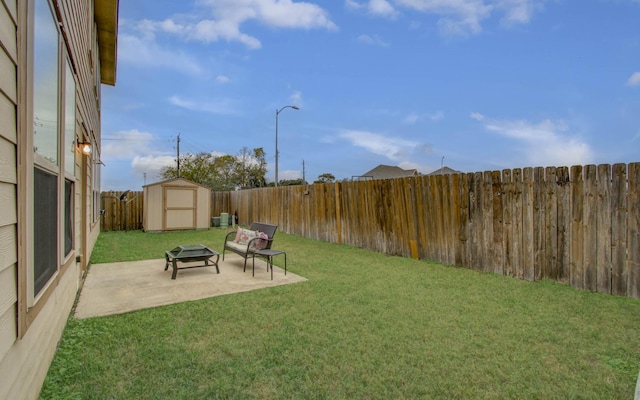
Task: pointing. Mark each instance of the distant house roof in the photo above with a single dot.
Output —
(388, 172)
(444, 171)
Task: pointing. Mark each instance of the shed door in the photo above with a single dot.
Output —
(180, 205)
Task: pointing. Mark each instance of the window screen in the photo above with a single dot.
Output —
(68, 217)
(45, 213)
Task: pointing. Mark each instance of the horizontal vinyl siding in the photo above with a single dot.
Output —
(26, 365)
(8, 33)
(8, 127)
(8, 200)
(12, 7)
(8, 195)
(7, 75)
(8, 180)
(8, 304)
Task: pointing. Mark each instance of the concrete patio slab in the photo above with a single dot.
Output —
(122, 287)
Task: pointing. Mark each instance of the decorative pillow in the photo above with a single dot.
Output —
(246, 235)
(238, 234)
(261, 242)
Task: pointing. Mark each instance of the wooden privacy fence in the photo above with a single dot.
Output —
(121, 215)
(579, 225)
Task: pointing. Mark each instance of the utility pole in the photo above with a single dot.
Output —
(304, 181)
(178, 155)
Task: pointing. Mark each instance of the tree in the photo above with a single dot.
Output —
(198, 168)
(325, 178)
(226, 176)
(258, 169)
(226, 172)
(251, 167)
(291, 182)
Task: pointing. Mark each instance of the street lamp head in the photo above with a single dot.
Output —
(295, 107)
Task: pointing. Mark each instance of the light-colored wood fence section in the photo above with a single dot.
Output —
(577, 225)
(121, 215)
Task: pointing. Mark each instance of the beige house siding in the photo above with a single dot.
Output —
(31, 326)
(8, 179)
(25, 366)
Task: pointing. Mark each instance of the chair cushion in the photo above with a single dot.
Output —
(241, 248)
(261, 242)
(246, 235)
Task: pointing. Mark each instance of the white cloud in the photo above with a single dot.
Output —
(151, 165)
(634, 79)
(220, 106)
(436, 116)
(225, 18)
(380, 8)
(393, 148)
(289, 175)
(414, 118)
(222, 79)
(544, 143)
(125, 144)
(143, 51)
(353, 5)
(518, 11)
(296, 99)
(477, 116)
(372, 40)
(212, 31)
(456, 17)
(423, 169)
(411, 119)
(229, 15)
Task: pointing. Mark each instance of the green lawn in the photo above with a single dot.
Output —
(365, 326)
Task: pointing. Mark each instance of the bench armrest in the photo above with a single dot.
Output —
(230, 235)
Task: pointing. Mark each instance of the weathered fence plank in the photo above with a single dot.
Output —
(517, 224)
(577, 230)
(458, 227)
(475, 222)
(564, 224)
(539, 249)
(508, 225)
(603, 221)
(420, 222)
(486, 213)
(449, 224)
(497, 228)
(550, 223)
(633, 231)
(590, 228)
(619, 277)
(528, 240)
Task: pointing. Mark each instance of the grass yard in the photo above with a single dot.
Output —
(365, 326)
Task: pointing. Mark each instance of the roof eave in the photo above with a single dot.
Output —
(106, 16)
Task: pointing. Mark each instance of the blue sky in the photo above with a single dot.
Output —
(475, 85)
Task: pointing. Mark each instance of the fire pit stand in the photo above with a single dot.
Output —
(190, 253)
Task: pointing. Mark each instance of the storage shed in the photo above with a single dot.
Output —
(176, 204)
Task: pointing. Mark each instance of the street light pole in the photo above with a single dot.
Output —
(277, 113)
